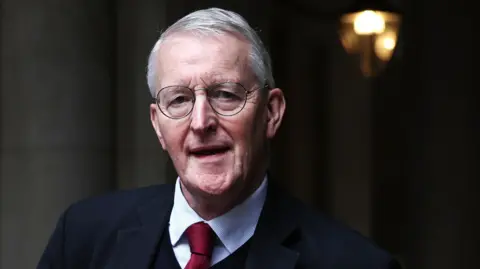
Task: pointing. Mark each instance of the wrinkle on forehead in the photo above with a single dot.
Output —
(185, 58)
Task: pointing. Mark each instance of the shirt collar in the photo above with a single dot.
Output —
(233, 228)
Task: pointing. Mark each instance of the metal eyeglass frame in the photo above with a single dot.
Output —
(247, 93)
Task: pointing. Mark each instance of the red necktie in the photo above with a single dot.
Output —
(200, 237)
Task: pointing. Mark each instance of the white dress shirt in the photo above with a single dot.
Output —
(233, 228)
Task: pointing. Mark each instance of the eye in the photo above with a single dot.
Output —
(179, 99)
(227, 92)
(221, 94)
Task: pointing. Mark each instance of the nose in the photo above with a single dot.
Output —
(204, 119)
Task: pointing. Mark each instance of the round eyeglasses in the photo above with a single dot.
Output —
(226, 99)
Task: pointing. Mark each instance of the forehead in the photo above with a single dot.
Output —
(190, 58)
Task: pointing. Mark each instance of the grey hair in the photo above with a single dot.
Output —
(217, 21)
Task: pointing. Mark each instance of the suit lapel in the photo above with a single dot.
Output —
(136, 245)
(276, 226)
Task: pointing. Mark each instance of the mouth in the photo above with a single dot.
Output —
(209, 151)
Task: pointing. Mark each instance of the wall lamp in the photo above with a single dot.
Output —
(370, 29)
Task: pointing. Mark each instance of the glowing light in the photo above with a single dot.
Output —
(384, 45)
(369, 22)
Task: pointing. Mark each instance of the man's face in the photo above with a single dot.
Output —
(212, 153)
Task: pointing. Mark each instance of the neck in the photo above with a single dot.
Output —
(209, 207)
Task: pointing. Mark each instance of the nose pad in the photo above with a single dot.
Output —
(204, 118)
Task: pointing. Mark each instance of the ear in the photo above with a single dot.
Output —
(275, 109)
(155, 119)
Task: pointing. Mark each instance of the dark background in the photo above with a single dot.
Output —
(396, 156)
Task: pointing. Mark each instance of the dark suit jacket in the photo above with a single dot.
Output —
(122, 229)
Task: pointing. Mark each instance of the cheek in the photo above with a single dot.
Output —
(246, 133)
(174, 137)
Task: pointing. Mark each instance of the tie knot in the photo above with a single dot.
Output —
(200, 237)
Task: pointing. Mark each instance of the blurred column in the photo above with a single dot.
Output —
(56, 92)
(300, 151)
(444, 168)
(141, 160)
(350, 140)
(438, 123)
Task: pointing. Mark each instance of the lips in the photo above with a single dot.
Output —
(204, 151)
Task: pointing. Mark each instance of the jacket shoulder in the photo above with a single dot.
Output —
(100, 216)
(332, 241)
(111, 206)
(88, 229)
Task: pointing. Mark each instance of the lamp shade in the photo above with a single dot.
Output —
(370, 29)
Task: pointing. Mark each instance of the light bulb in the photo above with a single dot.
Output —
(385, 44)
(369, 22)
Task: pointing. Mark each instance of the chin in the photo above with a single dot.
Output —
(214, 184)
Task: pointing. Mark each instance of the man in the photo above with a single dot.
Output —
(216, 108)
